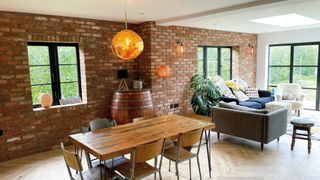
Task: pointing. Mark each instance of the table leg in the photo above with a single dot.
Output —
(88, 160)
(208, 146)
(101, 173)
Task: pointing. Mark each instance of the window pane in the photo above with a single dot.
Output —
(212, 54)
(278, 75)
(309, 99)
(225, 63)
(200, 60)
(306, 55)
(68, 73)
(279, 55)
(225, 74)
(212, 66)
(38, 55)
(226, 53)
(69, 90)
(37, 90)
(305, 76)
(67, 55)
(40, 75)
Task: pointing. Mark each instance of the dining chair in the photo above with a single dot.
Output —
(73, 162)
(143, 118)
(182, 150)
(94, 126)
(137, 167)
(99, 124)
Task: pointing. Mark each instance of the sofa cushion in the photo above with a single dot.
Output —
(241, 96)
(243, 84)
(252, 93)
(263, 101)
(251, 104)
(241, 108)
(223, 89)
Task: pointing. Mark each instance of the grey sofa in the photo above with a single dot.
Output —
(255, 126)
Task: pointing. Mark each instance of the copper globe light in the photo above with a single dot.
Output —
(127, 44)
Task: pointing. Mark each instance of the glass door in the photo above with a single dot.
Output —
(305, 72)
(297, 63)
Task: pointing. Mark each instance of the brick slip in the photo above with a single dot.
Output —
(27, 131)
(161, 41)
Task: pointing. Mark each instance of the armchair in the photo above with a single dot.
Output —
(290, 93)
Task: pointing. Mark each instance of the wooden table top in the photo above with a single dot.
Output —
(112, 142)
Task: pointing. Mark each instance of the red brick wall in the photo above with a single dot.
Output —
(27, 131)
(163, 52)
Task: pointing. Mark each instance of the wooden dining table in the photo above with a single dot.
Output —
(112, 142)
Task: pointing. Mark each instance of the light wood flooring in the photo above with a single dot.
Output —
(232, 158)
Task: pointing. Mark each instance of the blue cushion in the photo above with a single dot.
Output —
(251, 104)
(263, 101)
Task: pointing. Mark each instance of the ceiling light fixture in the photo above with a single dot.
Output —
(286, 20)
(127, 44)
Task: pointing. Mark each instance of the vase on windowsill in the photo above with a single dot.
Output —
(45, 100)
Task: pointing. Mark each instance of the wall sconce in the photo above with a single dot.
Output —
(164, 71)
(251, 48)
(179, 46)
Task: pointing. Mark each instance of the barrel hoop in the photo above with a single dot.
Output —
(139, 107)
(132, 100)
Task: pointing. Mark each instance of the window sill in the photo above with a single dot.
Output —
(59, 106)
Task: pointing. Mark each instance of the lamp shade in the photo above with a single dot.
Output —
(127, 45)
(164, 71)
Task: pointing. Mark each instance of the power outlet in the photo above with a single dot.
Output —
(174, 105)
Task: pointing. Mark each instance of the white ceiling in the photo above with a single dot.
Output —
(239, 20)
(230, 15)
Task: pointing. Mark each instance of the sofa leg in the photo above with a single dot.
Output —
(278, 139)
(261, 146)
(218, 136)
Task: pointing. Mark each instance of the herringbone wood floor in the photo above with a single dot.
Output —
(233, 158)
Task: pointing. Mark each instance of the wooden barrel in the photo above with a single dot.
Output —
(130, 104)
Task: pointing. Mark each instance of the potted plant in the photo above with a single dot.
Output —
(205, 95)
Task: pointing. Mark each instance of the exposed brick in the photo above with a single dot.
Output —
(30, 131)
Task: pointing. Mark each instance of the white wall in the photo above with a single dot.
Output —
(264, 40)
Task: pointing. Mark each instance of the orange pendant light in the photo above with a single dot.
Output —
(127, 44)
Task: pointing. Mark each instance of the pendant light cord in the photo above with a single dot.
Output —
(125, 15)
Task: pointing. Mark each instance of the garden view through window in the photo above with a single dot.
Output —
(297, 63)
(54, 69)
(213, 61)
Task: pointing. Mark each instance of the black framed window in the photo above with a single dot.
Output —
(54, 69)
(297, 63)
(215, 60)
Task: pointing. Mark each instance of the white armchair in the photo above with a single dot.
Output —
(290, 93)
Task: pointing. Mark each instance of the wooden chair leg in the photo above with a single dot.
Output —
(169, 165)
(293, 137)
